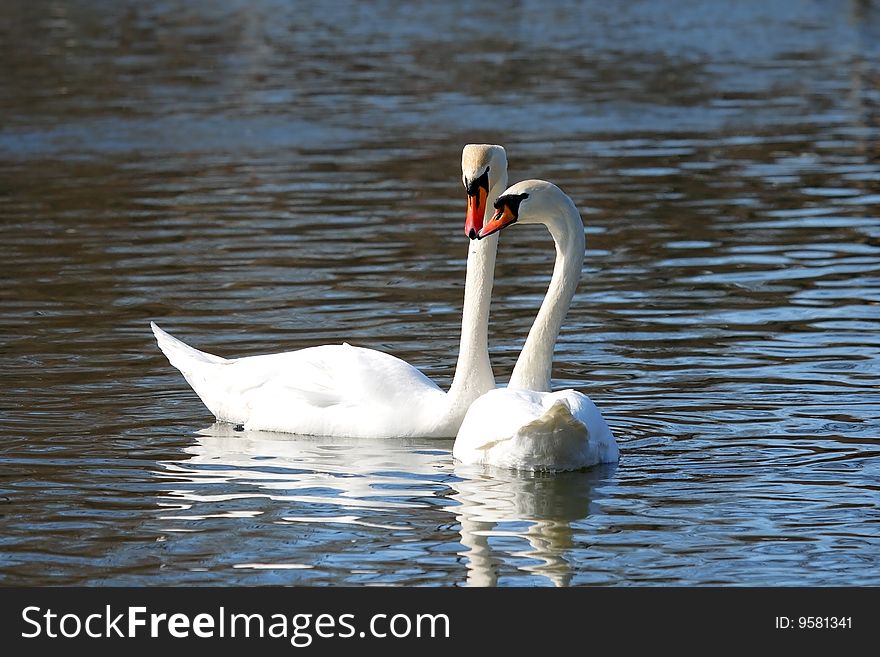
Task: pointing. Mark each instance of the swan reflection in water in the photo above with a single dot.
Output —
(358, 476)
(505, 517)
(498, 508)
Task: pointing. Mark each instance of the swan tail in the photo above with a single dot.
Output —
(556, 421)
(180, 354)
(560, 440)
(198, 369)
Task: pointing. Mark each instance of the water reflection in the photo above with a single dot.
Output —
(499, 505)
(348, 475)
(376, 487)
(267, 175)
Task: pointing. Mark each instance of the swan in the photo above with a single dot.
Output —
(525, 426)
(343, 390)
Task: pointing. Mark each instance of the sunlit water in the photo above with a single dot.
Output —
(259, 177)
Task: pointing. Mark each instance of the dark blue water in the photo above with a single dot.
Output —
(264, 176)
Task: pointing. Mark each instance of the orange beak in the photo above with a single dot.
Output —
(476, 209)
(502, 218)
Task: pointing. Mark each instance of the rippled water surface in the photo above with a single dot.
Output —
(263, 176)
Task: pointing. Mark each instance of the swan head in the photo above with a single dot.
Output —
(526, 202)
(482, 167)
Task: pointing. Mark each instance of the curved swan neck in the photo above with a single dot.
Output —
(473, 371)
(534, 367)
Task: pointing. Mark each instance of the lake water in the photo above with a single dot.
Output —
(263, 176)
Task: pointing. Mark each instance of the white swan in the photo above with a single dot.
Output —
(341, 390)
(525, 426)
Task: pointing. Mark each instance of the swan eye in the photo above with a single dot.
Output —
(511, 202)
(481, 181)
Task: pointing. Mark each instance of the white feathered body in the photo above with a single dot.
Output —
(330, 390)
(537, 431)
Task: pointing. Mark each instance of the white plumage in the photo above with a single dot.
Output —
(330, 390)
(529, 430)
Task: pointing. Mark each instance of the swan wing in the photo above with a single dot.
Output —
(331, 375)
(326, 390)
(337, 390)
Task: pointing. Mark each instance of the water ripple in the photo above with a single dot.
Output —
(259, 178)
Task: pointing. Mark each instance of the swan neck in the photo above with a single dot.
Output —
(534, 367)
(473, 371)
